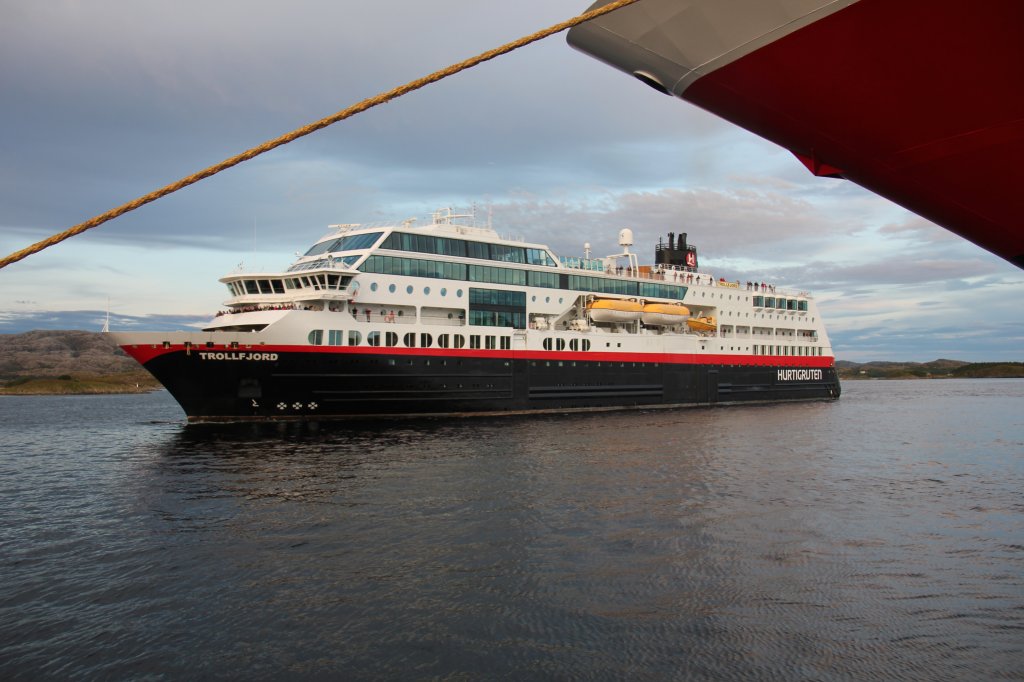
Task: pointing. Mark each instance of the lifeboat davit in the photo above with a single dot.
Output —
(664, 314)
(702, 324)
(614, 310)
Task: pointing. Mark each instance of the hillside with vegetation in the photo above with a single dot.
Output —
(936, 369)
(67, 362)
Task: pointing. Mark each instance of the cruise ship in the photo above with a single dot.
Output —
(449, 318)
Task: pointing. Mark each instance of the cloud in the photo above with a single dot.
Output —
(107, 100)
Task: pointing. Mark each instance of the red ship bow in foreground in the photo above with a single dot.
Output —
(920, 101)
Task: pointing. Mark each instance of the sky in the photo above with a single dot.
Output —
(107, 100)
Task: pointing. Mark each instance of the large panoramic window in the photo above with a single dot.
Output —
(422, 243)
(550, 280)
(395, 265)
(497, 308)
(539, 257)
(493, 275)
(355, 242)
(656, 290)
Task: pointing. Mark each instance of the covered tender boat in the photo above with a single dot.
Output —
(664, 314)
(614, 310)
(704, 323)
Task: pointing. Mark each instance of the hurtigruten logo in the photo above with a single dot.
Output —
(238, 356)
(800, 375)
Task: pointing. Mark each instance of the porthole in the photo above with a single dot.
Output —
(408, 289)
(391, 289)
(458, 293)
(444, 291)
(426, 290)
(373, 286)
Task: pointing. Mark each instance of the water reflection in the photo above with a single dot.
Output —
(766, 542)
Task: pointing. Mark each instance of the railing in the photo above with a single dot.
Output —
(680, 275)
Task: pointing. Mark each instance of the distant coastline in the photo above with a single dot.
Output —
(83, 363)
(936, 369)
(68, 363)
(80, 384)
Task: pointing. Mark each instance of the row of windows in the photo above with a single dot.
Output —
(560, 344)
(492, 275)
(336, 262)
(780, 303)
(607, 285)
(317, 282)
(409, 289)
(786, 350)
(497, 318)
(655, 290)
(339, 337)
(497, 297)
(461, 248)
(414, 267)
(497, 308)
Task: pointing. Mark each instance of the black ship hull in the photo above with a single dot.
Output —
(293, 384)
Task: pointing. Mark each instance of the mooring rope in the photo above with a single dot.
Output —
(311, 128)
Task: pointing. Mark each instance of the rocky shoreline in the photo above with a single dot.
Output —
(68, 363)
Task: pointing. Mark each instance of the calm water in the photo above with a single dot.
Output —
(879, 537)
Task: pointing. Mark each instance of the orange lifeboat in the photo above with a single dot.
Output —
(614, 310)
(664, 314)
(703, 324)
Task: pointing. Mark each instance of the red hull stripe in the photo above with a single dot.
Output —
(144, 354)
